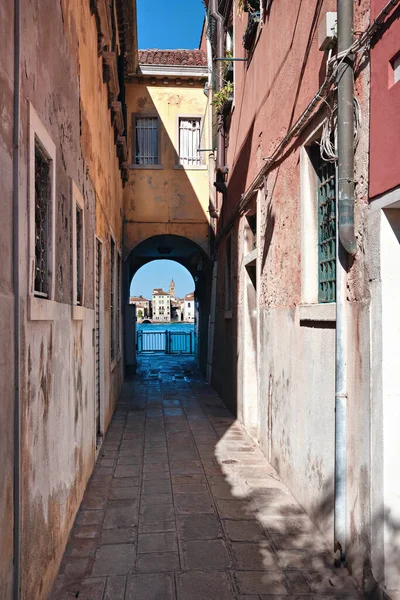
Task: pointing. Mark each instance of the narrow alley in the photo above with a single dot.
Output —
(182, 504)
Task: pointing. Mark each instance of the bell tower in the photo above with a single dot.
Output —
(172, 289)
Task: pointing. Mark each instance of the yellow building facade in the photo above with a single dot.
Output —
(167, 192)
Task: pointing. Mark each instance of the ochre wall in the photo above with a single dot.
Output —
(64, 83)
(168, 200)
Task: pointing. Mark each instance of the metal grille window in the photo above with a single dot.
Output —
(326, 232)
(112, 297)
(42, 223)
(79, 255)
(118, 320)
(146, 141)
(189, 142)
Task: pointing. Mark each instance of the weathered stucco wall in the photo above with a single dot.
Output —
(294, 350)
(64, 84)
(6, 303)
(171, 199)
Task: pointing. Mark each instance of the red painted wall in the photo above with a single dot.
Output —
(271, 92)
(385, 109)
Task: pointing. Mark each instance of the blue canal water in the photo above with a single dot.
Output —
(165, 327)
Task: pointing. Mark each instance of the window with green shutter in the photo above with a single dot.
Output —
(326, 231)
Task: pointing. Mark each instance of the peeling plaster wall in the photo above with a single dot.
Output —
(295, 356)
(168, 200)
(6, 303)
(64, 83)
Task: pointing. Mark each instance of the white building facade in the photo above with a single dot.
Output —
(161, 306)
(189, 309)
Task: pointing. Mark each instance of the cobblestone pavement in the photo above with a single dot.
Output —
(183, 505)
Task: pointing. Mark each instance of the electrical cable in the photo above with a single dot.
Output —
(360, 46)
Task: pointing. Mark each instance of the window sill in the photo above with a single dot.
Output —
(115, 361)
(78, 312)
(191, 167)
(228, 314)
(250, 258)
(41, 309)
(146, 167)
(318, 312)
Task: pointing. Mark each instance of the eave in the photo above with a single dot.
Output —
(173, 71)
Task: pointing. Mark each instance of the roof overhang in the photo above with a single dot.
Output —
(172, 71)
(127, 25)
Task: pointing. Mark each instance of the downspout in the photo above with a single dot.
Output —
(220, 52)
(212, 202)
(345, 16)
(347, 244)
(16, 279)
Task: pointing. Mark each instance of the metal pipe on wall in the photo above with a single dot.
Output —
(345, 17)
(16, 279)
(220, 52)
(340, 527)
(346, 241)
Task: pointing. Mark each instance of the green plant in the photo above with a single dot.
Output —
(248, 5)
(227, 63)
(223, 95)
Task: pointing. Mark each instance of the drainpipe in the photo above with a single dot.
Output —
(347, 244)
(212, 203)
(220, 52)
(345, 16)
(340, 527)
(16, 279)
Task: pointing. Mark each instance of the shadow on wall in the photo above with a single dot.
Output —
(173, 194)
(268, 530)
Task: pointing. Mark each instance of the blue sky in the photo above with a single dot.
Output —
(159, 274)
(168, 25)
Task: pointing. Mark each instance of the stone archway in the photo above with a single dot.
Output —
(189, 254)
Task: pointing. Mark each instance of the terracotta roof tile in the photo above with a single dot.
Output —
(185, 58)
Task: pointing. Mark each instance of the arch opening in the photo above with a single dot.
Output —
(165, 250)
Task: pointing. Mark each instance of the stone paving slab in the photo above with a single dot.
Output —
(182, 505)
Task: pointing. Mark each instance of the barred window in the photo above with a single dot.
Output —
(189, 142)
(79, 255)
(326, 232)
(42, 222)
(112, 297)
(118, 320)
(146, 141)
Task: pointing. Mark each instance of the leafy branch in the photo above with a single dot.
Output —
(223, 95)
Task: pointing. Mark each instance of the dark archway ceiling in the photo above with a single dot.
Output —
(167, 246)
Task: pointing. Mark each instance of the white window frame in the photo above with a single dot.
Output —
(310, 309)
(41, 309)
(202, 165)
(77, 204)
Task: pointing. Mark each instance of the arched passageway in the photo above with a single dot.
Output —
(190, 255)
